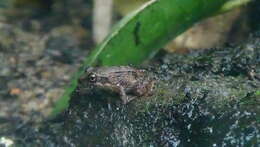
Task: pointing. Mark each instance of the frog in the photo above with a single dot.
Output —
(129, 82)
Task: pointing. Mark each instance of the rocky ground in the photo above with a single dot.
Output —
(38, 55)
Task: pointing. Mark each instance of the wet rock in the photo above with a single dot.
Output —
(206, 98)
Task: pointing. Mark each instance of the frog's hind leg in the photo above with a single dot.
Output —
(145, 89)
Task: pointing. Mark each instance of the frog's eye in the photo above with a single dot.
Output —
(92, 78)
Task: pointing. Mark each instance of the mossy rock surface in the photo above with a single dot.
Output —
(204, 98)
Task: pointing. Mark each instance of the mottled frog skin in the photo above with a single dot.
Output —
(129, 82)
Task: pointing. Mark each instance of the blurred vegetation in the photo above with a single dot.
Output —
(15, 8)
(44, 4)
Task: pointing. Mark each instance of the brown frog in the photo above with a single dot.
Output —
(129, 82)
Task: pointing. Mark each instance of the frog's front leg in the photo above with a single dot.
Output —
(123, 95)
(125, 98)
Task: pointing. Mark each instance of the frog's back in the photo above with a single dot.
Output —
(114, 70)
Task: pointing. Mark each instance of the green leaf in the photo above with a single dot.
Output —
(140, 35)
(231, 4)
(257, 93)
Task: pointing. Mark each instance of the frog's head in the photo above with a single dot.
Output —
(92, 78)
(87, 78)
